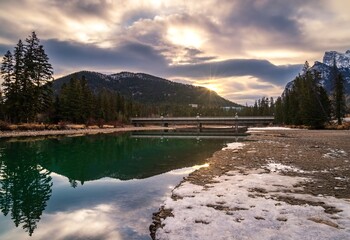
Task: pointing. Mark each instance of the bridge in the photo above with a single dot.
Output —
(200, 121)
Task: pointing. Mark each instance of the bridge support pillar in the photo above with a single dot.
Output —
(199, 126)
(165, 125)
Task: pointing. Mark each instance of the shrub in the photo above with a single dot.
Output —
(31, 126)
(4, 126)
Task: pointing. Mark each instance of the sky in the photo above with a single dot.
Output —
(242, 49)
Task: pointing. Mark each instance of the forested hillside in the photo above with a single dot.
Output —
(147, 89)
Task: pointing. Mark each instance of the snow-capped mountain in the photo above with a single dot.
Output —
(342, 61)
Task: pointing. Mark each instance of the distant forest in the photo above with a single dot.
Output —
(306, 102)
(27, 97)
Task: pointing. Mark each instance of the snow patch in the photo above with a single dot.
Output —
(268, 128)
(335, 153)
(251, 206)
(233, 146)
(278, 167)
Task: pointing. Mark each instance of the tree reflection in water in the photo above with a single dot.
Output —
(25, 182)
(25, 186)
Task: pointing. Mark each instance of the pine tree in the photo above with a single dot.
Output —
(278, 111)
(2, 111)
(87, 100)
(19, 63)
(38, 73)
(338, 94)
(27, 88)
(272, 106)
(7, 70)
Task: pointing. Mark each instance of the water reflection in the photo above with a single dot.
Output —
(25, 186)
(84, 159)
(30, 171)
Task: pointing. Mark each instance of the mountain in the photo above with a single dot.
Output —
(342, 61)
(145, 88)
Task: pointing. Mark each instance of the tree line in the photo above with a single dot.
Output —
(76, 103)
(306, 102)
(262, 107)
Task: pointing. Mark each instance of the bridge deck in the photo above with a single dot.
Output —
(204, 120)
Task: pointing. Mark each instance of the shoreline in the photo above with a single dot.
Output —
(303, 174)
(32, 133)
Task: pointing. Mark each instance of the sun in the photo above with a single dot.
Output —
(184, 36)
(211, 86)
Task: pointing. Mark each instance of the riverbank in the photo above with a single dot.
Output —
(78, 131)
(280, 184)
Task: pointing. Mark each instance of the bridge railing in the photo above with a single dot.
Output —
(203, 120)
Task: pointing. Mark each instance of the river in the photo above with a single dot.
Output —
(103, 186)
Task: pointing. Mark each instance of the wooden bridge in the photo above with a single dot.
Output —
(200, 121)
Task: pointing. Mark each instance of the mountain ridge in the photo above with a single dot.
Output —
(146, 88)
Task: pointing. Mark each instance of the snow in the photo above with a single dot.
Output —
(342, 59)
(233, 146)
(249, 206)
(278, 167)
(335, 153)
(268, 128)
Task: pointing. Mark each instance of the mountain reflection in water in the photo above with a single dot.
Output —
(27, 167)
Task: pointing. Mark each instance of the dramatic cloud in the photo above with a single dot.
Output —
(236, 47)
(129, 55)
(261, 69)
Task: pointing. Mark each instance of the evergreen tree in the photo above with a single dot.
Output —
(71, 101)
(7, 70)
(27, 77)
(18, 109)
(278, 112)
(272, 106)
(87, 101)
(338, 94)
(2, 111)
(38, 73)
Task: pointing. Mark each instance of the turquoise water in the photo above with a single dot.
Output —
(91, 187)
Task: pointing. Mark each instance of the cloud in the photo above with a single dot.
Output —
(130, 56)
(4, 48)
(274, 16)
(261, 69)
(139, 57)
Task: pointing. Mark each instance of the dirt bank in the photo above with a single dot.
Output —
(9, 134)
